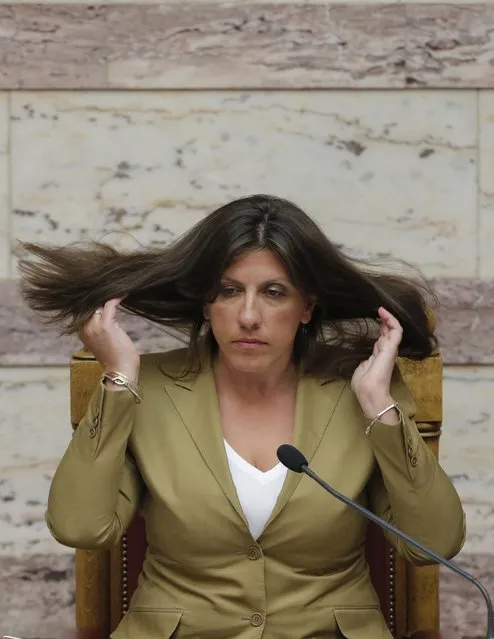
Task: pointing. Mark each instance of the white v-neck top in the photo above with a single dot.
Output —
(257, 491)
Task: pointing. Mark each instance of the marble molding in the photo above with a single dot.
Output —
(486, 183)
(245, 45)
(258, 46)
(465, 320)
(4, 187)
(394, 174)
(37, 595)
(442, 40)
(56, 46)
(329, 2)
(27, 340)
(465, 327)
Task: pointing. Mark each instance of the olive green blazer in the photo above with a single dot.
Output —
(204, 576)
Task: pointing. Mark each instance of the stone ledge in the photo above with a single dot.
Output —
(217, 45)
(465, 327)
(38, 595)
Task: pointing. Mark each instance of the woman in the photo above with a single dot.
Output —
(289, 341)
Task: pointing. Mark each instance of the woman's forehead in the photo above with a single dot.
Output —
(255, 263)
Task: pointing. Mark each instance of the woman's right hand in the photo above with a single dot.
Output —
(109, 343)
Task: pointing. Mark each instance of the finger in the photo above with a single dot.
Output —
(386, 318)
(90, 324)
(389, 319)
(110, 309)
(383, 330)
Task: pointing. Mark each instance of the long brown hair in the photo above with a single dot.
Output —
(171, 284)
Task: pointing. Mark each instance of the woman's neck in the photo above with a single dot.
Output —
(254, 386)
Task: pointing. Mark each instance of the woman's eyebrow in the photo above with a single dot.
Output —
(276, 280)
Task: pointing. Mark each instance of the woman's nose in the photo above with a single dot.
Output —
(249, 314)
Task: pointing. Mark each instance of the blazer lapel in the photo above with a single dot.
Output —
(196, 401)
(315, 403)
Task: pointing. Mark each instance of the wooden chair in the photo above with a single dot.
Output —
(409, 595)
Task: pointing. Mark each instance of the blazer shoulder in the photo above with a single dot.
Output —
(170, 363)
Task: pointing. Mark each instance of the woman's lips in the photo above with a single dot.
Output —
(249, 344)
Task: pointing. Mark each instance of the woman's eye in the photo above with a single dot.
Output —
(274, 292)
(228, 291)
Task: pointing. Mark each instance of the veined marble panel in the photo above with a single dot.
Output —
(256, 45)
(486, 183)
(467, 449)
(240, 2)
(4, 187)
(385, 173)
(34, 432)
(216, 45)
(465, 320)
(463, 612)
(38, 594)
(180, 45)
(26, 341)
(44, 45)
(449, 45)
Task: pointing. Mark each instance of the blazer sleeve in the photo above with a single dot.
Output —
(410, 489)
(97, 487)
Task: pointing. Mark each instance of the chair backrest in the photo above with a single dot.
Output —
(409, 595)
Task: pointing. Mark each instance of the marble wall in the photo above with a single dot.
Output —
(386, 169)
(164, 159)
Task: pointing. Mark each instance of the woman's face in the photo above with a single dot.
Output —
(257, 313)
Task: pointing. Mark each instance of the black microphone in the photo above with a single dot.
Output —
(294, 460)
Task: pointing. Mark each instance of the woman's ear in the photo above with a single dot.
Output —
(308, 310)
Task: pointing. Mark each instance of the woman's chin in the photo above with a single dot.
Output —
(249, 362)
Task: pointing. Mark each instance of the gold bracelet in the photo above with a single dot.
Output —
(378, 416)
(122, 380)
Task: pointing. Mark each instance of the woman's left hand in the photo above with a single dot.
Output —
(371, 381)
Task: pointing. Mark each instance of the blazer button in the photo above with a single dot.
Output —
(92, 432)
(253, 553)
(413, 461)
(256, 619)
